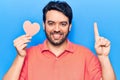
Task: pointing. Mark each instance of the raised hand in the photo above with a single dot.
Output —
(20, 44)
(102, 45)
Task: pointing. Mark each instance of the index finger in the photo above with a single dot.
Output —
(96, 33)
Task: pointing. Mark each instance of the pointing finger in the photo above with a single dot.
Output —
(96, 33)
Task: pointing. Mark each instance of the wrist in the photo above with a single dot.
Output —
(21, 56)
(103, 56)
(103, 59)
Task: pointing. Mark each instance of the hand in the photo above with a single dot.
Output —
(21, 43)
(102, 45)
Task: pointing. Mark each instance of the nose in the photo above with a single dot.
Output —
(57, 28)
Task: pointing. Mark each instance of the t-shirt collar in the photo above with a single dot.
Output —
(69, 47)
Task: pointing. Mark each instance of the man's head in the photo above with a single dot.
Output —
(57, 17)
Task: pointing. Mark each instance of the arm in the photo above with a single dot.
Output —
(14, 71)
(107, 70)
(102, 46)
(20, 45)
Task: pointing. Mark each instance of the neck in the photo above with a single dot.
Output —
(57, 50)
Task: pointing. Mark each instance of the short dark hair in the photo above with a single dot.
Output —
(61, 6)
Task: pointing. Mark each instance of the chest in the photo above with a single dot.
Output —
(66, 67)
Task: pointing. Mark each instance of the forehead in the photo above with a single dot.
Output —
(55, 15)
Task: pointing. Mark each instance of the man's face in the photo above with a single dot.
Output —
(56, 27)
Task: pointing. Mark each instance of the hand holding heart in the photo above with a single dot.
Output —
(102, 45)
(21, 42)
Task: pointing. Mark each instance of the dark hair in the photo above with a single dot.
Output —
(59, 6)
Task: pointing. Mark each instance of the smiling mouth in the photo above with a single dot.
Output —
(57, 36)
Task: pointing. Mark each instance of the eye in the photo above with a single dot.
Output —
(64, 24)
(50, 23)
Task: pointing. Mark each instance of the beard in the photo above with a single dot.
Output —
(56, 42)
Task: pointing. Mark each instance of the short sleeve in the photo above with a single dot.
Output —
(93, 68)
(24, 71)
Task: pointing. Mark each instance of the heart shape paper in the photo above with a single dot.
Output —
(30, 28)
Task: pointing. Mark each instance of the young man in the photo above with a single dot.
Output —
(57, 58)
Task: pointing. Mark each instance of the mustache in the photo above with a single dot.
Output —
(56, 32)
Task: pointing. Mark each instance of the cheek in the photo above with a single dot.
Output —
(47, 29)
(66, 30)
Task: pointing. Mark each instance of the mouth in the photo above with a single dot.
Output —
(57, 36)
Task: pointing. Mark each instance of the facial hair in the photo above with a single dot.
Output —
(56, 32)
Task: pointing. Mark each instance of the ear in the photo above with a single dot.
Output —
(43, 26)
(70, 27)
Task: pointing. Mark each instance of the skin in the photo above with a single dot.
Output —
(102, 47)
(57, 27)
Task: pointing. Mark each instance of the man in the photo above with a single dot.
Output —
(57, 58)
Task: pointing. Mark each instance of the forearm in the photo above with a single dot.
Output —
(107, 70)
(14, 71)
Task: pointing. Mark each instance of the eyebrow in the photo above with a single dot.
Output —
(50, 21)
(64, 22)
(54, 21)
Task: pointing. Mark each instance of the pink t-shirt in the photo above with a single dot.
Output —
(75, 63)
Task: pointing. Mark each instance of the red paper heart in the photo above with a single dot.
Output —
(30, 28)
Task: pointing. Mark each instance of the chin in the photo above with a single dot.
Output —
(56, 42)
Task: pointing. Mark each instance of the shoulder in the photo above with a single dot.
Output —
(34, 49)
(85, 53)
(82, 50)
